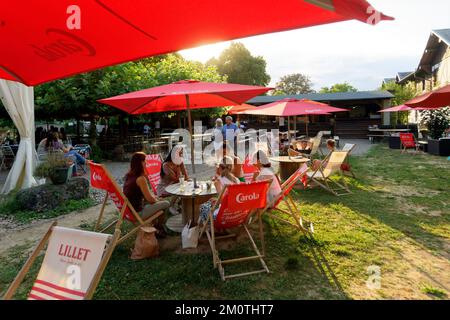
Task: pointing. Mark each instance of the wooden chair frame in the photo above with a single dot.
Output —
(111, 244)
(293, 211)
(119, 221)
(208, 228)
(349, 147)
(324, 181)
(405, 148)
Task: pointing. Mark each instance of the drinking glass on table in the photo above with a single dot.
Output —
(182, 184)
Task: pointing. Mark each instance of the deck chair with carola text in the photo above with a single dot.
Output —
(328, 167)
(73, 264)
(291, 214)
(102, 179)
(236, 202)
(153, 164)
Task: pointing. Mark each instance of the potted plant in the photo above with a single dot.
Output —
(437, 121)
(56, 167)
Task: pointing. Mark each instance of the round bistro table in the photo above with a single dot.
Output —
(288, 165)
(191, 199)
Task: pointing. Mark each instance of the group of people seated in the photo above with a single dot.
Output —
(228, 171)
(53, 143)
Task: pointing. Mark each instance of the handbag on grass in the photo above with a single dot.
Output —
(146, 244)
(189, 236)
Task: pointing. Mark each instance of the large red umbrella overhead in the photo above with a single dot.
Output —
(432, 100)
(47, 39)
(294, 107)
(184, 95)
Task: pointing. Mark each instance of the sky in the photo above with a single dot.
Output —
(351, 51)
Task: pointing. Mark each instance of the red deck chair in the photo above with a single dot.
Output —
(235, 204)
(249, 169)
(102, 179)
(293, 213)
(153, 164)
(408, 142)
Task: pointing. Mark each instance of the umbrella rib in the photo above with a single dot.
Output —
(142, 105)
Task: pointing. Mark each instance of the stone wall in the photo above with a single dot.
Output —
(49, 196)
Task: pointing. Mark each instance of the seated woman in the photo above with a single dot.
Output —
(137, 191)
(224, 177)
(171, 171)
(266, 173)
(302, 146)
(52, 143)
(331, 146)
(237, 171)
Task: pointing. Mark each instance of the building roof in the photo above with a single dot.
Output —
(437, 37)
(443, 34)
(387, 80)
(403, 75)
(340, 96)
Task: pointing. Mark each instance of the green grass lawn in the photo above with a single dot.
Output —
(397, 219)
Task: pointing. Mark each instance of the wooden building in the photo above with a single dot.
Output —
(362, 112)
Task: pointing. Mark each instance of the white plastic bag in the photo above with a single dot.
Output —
(189, 236)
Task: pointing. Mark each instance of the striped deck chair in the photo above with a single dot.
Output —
(153, 164)
(73, 264)
(102, 179)
(292, 212)
(235, 204)
(330, 166)
(408, 142)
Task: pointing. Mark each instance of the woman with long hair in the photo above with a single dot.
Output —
(137, 190)
(224, 176)
(172, 169)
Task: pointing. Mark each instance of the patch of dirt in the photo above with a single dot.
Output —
(17, 235)
(407, 191)
(405, 276)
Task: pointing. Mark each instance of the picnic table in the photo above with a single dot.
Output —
(384, 133)
(288, 165)
(191, 199)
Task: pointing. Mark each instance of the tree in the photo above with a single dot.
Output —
(295, 83)
(437, 121)
(339, 87)
(401, 95)
(239, 66)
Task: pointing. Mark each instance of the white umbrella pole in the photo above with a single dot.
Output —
(190, 131)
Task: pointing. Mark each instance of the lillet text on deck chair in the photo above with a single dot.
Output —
(235, 204)
(292, 212)
(102, 179)
(328, 167)
(73, 264)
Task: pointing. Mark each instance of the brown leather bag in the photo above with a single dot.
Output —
(146, 244)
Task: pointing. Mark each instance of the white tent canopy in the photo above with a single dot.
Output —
(18, 100)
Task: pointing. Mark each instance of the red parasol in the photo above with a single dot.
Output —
(432, 100)
(47, 39)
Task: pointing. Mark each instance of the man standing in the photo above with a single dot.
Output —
(229, 131)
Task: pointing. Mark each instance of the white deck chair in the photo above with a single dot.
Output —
(330, 166)
(73, 264)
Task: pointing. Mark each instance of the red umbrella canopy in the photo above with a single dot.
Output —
(397, 108)
(173, 97)
(294, 107)
(47, 39)
(241, 108)
(402, 108)
(432, 100)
